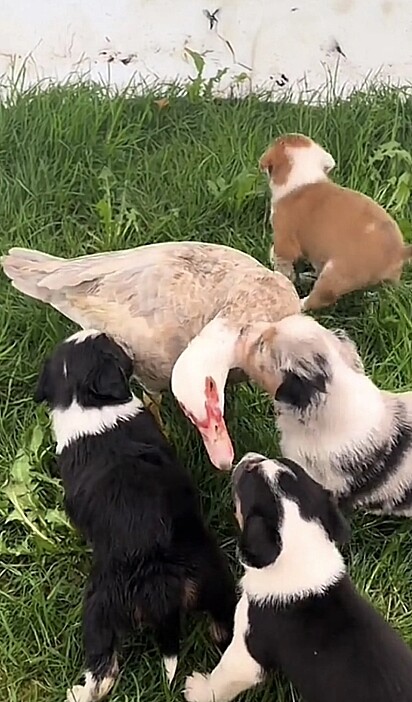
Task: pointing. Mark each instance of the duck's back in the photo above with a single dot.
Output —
(155, 298)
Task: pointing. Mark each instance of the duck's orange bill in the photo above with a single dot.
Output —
(218, 444)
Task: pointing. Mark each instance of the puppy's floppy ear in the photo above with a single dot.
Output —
(328, 162)
(275, 162)
(43, 391)
(266, 162)
(334, 522)
(109, 382)
(259, 544)
(300, 391)
(267, 339)
(348, 350)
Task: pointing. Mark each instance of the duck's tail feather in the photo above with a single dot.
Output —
(27, 268)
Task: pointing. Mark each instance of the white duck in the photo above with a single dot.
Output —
(179, 308)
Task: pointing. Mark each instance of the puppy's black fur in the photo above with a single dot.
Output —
(331, 645)
(97, 374)
(136, 506)
(306, 385)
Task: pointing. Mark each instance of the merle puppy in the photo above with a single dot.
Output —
(349, 435)
(299, 612)
(136, 506)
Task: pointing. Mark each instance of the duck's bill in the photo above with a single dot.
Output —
(218, 445)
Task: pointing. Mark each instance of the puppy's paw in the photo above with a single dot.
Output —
(272, 257)
(303, 302)
(79, 693)
(198, 688)
(308, 276)
(221, 634)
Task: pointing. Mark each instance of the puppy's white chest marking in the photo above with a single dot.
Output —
(74, 422)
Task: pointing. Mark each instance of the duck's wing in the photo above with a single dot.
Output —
(264, 296)
(180, 278)
(154, 298)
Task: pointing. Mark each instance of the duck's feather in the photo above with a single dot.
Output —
(155, 298)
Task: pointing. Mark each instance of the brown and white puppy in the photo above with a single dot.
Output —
(350, 241)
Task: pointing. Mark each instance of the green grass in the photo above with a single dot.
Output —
(80, 173)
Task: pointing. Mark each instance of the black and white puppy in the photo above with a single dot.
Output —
(136, 506)
(299, 613)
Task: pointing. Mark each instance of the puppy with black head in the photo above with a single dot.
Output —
(127, 494)
(299, 612)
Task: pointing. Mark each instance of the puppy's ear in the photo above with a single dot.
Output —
(43, 391)
(275, 162)
(110, 383)
(328, 162)
(335, 524)
(300, 391)
(266, 162)
(259, 544)
(348, 350)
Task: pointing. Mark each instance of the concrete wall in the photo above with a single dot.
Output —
(277, 44)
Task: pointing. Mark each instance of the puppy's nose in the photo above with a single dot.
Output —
(237, 471)
(248, 462)
(225, 465)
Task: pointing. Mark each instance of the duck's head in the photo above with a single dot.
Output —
(198, 383)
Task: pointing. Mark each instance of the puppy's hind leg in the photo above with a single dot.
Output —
(236, 671)
(329, 287)
(393, 275)
(100, 646)
(167, 633)
(217, 597)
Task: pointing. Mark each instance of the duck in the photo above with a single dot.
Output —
(179, 308)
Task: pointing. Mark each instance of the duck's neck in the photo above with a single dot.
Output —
(214, 350)
(211, 354)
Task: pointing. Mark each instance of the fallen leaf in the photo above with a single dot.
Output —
(162, 103)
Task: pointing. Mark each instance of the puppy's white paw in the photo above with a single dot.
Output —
(93, 689)
(272, 256)
(79, 693)
(308, 275)
(303, 302)
(198, 688)
(170, 664)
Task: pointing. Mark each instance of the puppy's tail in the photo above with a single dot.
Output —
(407, 252)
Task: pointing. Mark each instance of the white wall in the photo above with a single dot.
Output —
(296, 38)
